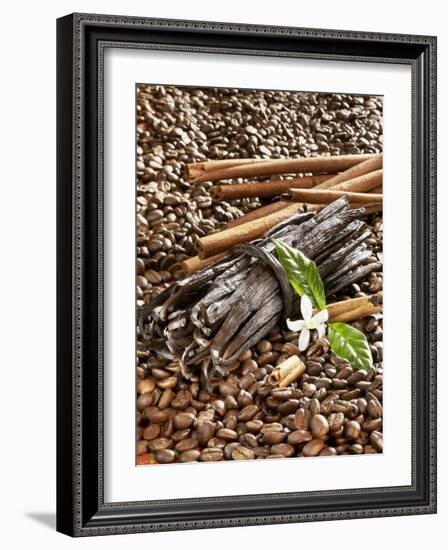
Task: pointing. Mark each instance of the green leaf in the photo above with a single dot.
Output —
(302, 273)
(351, 344)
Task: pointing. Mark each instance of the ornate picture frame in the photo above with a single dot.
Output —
(81, 506)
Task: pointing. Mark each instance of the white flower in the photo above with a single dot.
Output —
(308, 323)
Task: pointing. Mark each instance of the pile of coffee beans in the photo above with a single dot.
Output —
(331, 409)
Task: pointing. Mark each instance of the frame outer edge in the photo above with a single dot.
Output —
(65, 495)
(70, 507)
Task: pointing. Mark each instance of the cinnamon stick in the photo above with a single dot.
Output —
(287, 372)
(224, 240)
(370, 165)
(198, 168)
(195, 263)
(264, 189)
(196, 173)
(348, 307)
(358, 313)
(325, 196)
(259, 213)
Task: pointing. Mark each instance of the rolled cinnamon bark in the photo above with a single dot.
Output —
(193, 264)
(314, 165)
(358, 313)
(198, 168)
(224, 240)
(325, 196)
(347, 307)
(264, 189)
(370, 165)
(287, 372)
(259, 213)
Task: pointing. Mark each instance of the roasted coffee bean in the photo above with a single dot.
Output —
(336, 420)
(254, 425)
(186, 444)
(160, 443)
(244, 399)
(301, 419)
(183, 420)
(144, 400)
(264, 346)
(146, 385)
(282, 449)
(226, 389)
(167, 382)
(299, 436)
(182, 400)
(211, 455)
(142, 447)
(328, 451)
(247, 381)
(180, 434)
(165, 456)
(372, 425)
(167, 428)
(313, 447)
(243, 453)
(166, 398)
(374, 409)
(352, 429)
(156, 416)
(272, 438)
(376, 439)
(319, 425)
(288, 407)
(247, 413)
(229, 448)
(249, 440)
(227, 434)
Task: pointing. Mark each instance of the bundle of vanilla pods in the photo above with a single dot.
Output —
(206, 320)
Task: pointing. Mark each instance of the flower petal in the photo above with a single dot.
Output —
(304, 339)
(321, 316)
(306, 307)
(321, 330)
(295, 326)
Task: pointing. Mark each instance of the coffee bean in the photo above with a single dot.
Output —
(211, 455)
(146, 385)
(226, 389)
(183, 420)
(376, 438)
(288, 407)
(319, 425)
(247, 413)
(372, 425)
(249, 440)
(284, 449)
(165, 456)
(299, 436)
(328, 451)
(156, 416)
(226, 434)
(186, 444)
(142, 447)
(243, 453)
(374, 409)
(352, 429)
(264, 346)
(313, 447)
(254, 425)
(189, 456)
(160, 443)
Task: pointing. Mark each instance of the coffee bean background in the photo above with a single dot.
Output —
(332, 409)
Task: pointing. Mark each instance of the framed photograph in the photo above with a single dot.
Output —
(246, 275)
